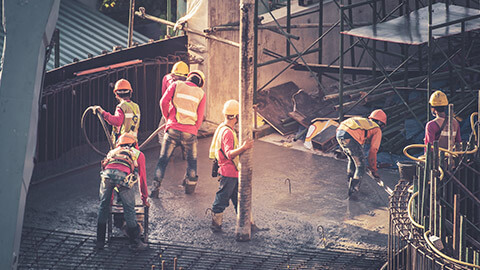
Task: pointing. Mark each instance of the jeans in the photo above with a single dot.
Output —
(228, 190)
(354, 152)
(127, 196)
(171, 140)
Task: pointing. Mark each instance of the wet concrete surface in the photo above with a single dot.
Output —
(287, 221)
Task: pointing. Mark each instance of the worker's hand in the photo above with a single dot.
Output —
(97, 109)
(247, 144)
(146, 202)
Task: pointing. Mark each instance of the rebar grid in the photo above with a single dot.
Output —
(49, 249)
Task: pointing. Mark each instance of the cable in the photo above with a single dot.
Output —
(104, 125)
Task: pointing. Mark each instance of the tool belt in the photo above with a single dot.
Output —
(119, 178)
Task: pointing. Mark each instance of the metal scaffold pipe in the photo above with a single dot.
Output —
(244, 215)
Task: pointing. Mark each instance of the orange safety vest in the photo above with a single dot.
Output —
(186, 100)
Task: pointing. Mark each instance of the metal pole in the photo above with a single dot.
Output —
(289, 13)
(56, 36)
(169, 16)
(131, 16)
(340, 71)
(320, 33)
(243, 227)
(255, 56)
(429, 61)
(451, 140)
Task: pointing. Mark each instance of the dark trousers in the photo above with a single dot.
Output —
(228, 190)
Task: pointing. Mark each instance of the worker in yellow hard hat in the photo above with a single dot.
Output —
(437, 129)
(225, 150)
(179, 73)
(183, 106)
(127, 114)
(352, 134)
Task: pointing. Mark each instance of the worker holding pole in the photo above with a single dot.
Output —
(225, 149)
(437, 129)
(183, 121)
(127, 114)
(179, 72)
(352, 134)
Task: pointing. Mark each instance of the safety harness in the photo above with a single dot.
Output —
(126, 156)
(131, 122)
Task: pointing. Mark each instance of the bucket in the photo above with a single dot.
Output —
(407, 170)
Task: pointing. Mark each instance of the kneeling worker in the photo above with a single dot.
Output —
(352, 134)
(119, 171)
(225, 149)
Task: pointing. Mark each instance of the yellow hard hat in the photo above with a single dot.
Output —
(198, 74)
(231, 107)
(438, 98)
(180, 68)
(122, 84)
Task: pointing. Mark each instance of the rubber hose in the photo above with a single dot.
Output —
(102, 121)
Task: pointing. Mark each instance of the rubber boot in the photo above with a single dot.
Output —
(190, 184)
(136, 243)
(217, 219)
(156, 189)
(101, 230)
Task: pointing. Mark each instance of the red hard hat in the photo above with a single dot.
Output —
(379, 115)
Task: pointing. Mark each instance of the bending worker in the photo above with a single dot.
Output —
(437, 129)
(352, 134)
(127, 114)
(179, 73)
(225, 149)
(119, 172)
(183, 121)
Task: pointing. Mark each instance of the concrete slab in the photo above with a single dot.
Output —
(287, 220)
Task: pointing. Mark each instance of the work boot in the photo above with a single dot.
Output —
(155, 189)
(190, 184)
(217, 219)
(101, 230)
(136, 243)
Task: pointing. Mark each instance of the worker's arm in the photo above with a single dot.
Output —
(431, 129)
(166, 99)
(374, 146)
(165, 84)
(200, 112)
(143, 179)
(228, 142)
(458, 137)
(116, 119)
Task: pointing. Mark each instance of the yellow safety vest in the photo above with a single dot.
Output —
(216, 144)
(131, 121)
(358, 123)
(186, 101)
(124, 155)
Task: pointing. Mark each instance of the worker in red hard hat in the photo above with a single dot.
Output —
(127, 114)
(121, 169)
(183, 121)
(179, 73)
(352, 134)
(225, 149)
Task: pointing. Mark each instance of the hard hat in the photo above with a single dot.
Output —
(379, 115)
(438, 98)
(199, 74)
(180, 69)
(231, 107)
(126, 138)
(122, 84)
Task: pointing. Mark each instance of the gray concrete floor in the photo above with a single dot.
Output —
(287, 221)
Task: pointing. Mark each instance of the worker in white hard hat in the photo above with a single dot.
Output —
(183, 121)
(225, 150)
(179, 73)
(437, 129)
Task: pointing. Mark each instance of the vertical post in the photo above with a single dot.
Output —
(169, 16)
(429, 56)
(461, 245)
(451, 140)
(255, 53)
(131, 16)
(456, 225)
(289, 13)
(56, 36)
(320, 33)
(244, 213)
(340, 70)
(433, 191)
(352, 40)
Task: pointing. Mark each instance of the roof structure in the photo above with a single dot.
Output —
(84, 32)
(413, 28)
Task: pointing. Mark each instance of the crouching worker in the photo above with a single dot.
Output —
(119, 172)
(352, 134)
(224, 148)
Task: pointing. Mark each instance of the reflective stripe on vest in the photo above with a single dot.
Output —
(186, 101)
(443, 137)
(359, 123)
(125, 155)
(131, 122)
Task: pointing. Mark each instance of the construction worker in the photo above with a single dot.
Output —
(127, 114)
(119, 172)
(225, 149)
(183, 121)
(437, 129)
(179, 73)
(351, 135)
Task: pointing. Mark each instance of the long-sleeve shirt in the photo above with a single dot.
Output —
(116, 119)
(168, 80)
(169, 112)
(432, 132)
(141, 172)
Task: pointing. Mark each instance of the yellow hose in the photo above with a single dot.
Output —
(472, 124)
(409, 209)
(425, 235)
